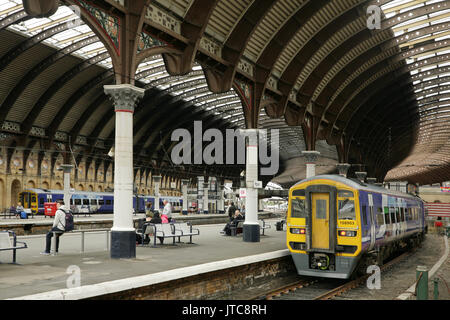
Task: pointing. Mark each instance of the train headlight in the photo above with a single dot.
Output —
(347, 233)
(298, 231)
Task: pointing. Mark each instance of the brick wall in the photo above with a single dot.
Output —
(210, 285)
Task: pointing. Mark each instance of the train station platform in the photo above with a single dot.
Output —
(41, 224)
(48, 277)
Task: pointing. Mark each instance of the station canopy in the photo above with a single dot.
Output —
(375, 96)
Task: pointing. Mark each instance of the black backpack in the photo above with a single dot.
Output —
(69, 221)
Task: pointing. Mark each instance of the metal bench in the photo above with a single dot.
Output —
(5, 243)
(59, 233)
(186, 230)
(235, 230)
(164, 230)
(146, 229)
(263, 225)
(8, 212)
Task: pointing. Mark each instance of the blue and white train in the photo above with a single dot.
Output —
(90, 202)
(336, 225)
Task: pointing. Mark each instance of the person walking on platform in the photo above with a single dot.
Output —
(167, 211)
(59, 225)
(231, 211)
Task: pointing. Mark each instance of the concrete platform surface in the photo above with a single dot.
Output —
(37, 273)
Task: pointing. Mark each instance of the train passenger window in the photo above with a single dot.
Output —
(380, 216)
(77, 202)
(101, 202)
(402, 214)
(364, 214)
(298, 208)
(387, 216)
(41, 202)
(392, 213)
(397, 214)
(346, 209)
(108, 202)
(345, 193)
(85, 201)
(93, 202)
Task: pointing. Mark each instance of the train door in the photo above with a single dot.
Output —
(320, 220)
(372, 222)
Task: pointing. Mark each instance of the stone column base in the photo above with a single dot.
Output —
(123, 244)
(251, 232)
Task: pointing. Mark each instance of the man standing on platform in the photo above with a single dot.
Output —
(167, 210)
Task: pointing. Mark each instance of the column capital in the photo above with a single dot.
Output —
(205, 184)
(311, 156)
(66, 167)
(343, 168)
(156, 178)
(185, 181)
(124, 96)
(361, 175)
(371, 180)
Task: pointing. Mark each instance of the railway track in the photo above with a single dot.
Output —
(309, 288)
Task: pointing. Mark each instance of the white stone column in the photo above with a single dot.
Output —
(184, 190)
(123, 237)
(66, 169)
(311, 159)
(157, 183)
(221, 201)
(251, 224)
(205, 197)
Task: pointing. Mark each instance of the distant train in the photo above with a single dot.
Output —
(90, 202)
(336, 227)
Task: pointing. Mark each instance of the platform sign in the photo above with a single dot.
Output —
(242, 193)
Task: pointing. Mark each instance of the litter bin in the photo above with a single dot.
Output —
(50, 209)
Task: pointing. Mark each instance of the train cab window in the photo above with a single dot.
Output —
(298, 193)
(101, 202)
(71, 202)
(345, 194)
(108, 202)
(380, 216)
(346, 209)
(93, 202)
(41, 202)
(298, 208)
(77, 202)
(85, 201)
(364, 214)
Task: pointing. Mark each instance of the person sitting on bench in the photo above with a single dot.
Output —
(233, 223)
(59, 225)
